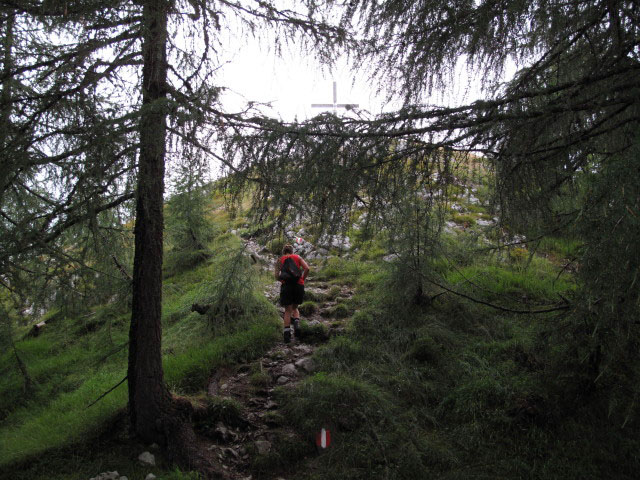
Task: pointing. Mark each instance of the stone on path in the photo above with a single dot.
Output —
(304, 349)
(263, 446)
(289, 370)
(305, 364)
(147, 458)
(282, 380)
(151, 476)
(107, 476)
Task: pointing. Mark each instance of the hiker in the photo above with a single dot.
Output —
(291, 270)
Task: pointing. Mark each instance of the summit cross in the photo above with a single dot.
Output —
(335, 105)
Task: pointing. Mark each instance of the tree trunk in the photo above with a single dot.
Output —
(149, 398)
(155, 416)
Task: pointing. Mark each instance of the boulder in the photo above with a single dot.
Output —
(147, 458)
(306, 364)
(282, 380)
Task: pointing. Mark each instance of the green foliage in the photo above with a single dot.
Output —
(313, 296)
(538, 282)
(287, 450)
(560, 247)
(341, 270)
(189, 231)
(179, 475)
(307, 307)
(229, 291)
(333, 292)
(464, 219)
(316, 333)
(340, 310)
(275, 246)
(225, 410)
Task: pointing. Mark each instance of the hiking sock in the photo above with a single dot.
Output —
(296, 326)
(287, 334)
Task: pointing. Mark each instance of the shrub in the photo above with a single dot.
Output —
(307, 308)
(424, 350)
(333, 292)
(341, 310)
(313, 333)
(314, 296)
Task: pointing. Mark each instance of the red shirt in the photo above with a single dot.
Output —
(298, 261)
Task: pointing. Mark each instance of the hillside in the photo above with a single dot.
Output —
(459, 370)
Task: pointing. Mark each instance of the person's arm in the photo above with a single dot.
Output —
(277, 269)
(305, 268)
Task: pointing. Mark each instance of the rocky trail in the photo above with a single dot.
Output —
(233, 443)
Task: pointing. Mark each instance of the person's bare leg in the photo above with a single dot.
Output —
(287, 315)
(294, 311)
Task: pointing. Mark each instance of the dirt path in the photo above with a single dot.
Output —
(252, 386)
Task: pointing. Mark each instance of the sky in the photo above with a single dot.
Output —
(292, 83)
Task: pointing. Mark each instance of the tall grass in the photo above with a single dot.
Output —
(68, 419)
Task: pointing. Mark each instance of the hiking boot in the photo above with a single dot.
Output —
(296, 327)
(287, 335)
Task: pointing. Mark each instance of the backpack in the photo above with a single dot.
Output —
(290, 272)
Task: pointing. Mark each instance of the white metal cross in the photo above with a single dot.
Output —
(335, 105)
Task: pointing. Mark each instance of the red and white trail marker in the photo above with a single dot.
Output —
(323, 438)
(299, 240)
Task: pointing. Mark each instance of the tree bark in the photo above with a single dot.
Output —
(149, 399)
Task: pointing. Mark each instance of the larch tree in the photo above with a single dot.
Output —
(90, 93)
(562, 136)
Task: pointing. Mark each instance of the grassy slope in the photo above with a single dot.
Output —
(456, 390)
(451, 390)
(77, 359)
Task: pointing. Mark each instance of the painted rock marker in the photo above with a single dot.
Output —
(323, 439)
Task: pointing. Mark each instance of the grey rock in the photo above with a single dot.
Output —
(107, 476)
(221, 431)
(263, 446)
(231, 452)
(303, 349)
(305, 364)
(484, 223)
(270, 404)
(147, 458)
(391, 257)
(289, 370)
(282, 380)
(313, 323)
(151, 476)
(123, 478)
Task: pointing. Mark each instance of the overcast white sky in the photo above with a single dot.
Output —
(292, 83)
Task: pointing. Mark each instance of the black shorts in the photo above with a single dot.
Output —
(291, 294)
